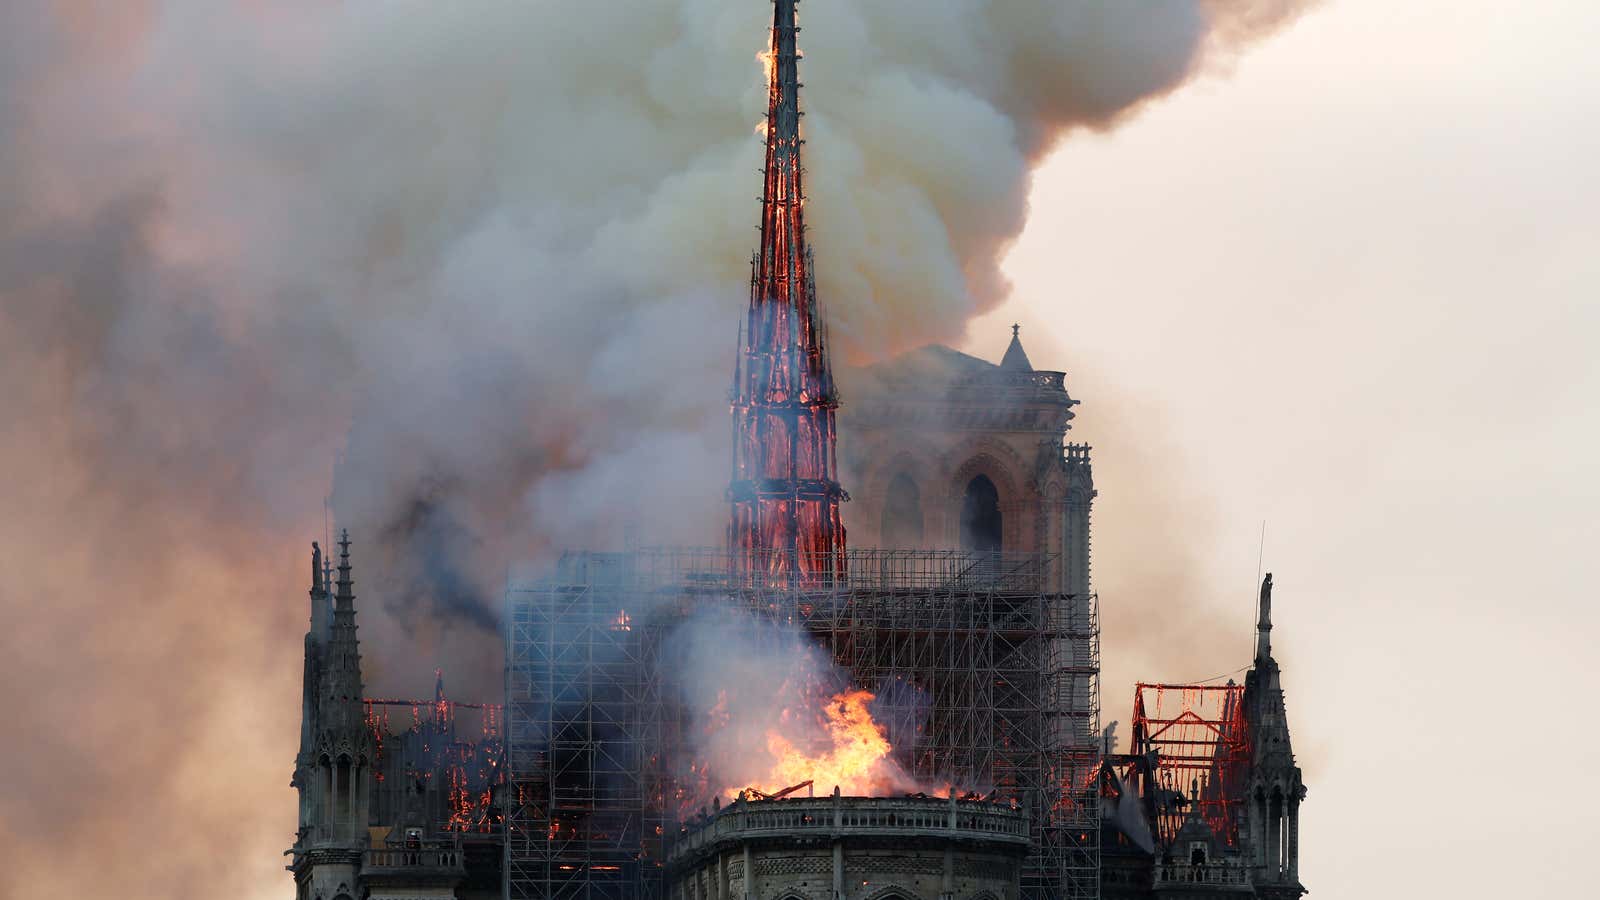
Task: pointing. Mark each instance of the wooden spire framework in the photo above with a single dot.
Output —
(784, 527)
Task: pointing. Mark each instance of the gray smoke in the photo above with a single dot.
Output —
(472, 269)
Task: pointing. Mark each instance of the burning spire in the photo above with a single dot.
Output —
(784, 526)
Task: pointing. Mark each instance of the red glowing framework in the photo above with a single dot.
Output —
(784, 526)
(428, 762)
(1201, 756)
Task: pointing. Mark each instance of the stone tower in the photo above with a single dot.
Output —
(333, 767)
(1206, 804)
(953, 452)
(1275, 785)
(784, 492)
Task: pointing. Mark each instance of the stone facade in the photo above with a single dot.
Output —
(1196, 863)
(933, 436)
(851, 848)
(369, 808)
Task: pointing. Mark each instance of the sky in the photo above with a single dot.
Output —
(1349, 289)
(1321, 266)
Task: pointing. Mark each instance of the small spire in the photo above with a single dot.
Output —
(438, 685)
(1264, 622)
(345, 596)
(1016, 359)
(316, 567)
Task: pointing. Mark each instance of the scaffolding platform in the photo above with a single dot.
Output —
(1002, 693)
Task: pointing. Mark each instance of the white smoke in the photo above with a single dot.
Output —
(506, 242)
(489, 255)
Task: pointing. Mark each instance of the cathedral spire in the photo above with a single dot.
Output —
(1016, 359)
(784, 492)
(1278, 786)
(783, 246)
(345, 598)
(316, 638)
(344, 658)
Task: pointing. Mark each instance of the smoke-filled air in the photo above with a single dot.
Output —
(771, 712)
(460, 277)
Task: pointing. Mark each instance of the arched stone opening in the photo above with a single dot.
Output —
(902, 525)
(343, 785)
(1275, 832)
(981, 521)
(892, 892)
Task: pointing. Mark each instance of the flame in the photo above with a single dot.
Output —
(856, 759)
(768, 58)
(623, 622)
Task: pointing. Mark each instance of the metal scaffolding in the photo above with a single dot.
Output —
(1202, 751)
(984, 680)
(584, 712)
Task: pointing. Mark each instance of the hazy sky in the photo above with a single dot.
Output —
(436, 260)
(1353, 289)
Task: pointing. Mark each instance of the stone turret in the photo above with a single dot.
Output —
(310, 691)
(333, 768)
(1016, 358)
(1275, 785)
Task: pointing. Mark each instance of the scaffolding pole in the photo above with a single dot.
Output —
(984, 680)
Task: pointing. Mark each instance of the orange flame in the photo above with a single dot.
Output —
(768, 59)
(769, 63)
(856, 760)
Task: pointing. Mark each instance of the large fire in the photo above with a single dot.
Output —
(852, 755)
(855, 761)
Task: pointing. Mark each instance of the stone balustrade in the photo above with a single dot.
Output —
(835, 816)
(413, 858)
(1203, 873)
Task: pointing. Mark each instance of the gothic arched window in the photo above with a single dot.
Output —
(980, 516)
(343, 772)
(902, 514)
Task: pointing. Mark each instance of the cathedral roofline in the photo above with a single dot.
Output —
(1016, 358)
(939, 374)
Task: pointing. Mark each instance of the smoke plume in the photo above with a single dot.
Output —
(469, 269)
